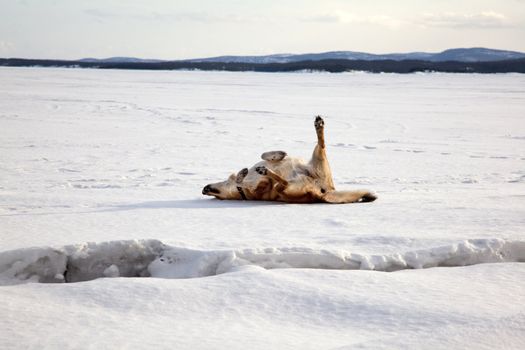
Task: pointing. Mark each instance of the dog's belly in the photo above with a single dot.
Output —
(289, 168)
(293, 170)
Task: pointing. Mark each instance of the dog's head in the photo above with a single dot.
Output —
(223, 190)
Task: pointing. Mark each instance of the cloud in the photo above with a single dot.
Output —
(6, 47)
(99, 13)
(487, 19)
(352, 18)
(324, 18)
(101, 16)
(200, 16)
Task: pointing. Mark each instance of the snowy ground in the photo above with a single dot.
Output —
(119, 158)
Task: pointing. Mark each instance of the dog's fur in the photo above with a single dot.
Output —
(282, 178)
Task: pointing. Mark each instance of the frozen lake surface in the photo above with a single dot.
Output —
(101, 174)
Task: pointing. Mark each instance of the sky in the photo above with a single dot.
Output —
(173, 29)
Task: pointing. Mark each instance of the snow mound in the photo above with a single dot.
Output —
(111, 259)
(82, 262)
(33, 264)
(152, 258)
(186, 263)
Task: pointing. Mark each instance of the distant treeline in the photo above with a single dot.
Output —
(334, 66)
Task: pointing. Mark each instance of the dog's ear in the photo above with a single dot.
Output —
(232, 177)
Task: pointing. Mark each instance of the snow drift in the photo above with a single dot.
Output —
(152, 258)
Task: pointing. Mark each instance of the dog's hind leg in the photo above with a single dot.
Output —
(319, 130)
(340, 197)
(273, 156)
(319, 162)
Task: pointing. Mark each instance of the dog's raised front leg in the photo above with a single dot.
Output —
(282, 183)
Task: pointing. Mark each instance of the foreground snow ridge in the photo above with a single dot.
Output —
(152, 258)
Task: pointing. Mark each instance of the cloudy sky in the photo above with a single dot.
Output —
(173, 29)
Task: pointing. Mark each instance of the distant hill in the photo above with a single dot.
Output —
(477, 54)
(120, 60)
(471, 60)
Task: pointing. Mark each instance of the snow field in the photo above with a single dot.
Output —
(101, 173)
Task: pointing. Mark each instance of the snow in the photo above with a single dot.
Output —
(152, 258)
(101, 173)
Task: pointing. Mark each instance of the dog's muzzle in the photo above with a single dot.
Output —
(208, 189)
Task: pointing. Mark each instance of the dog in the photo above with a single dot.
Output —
(279, 177)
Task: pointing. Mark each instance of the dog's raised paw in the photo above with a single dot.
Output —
(262, 170)
(319, 122)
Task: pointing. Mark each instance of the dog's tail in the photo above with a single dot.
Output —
(340, 197)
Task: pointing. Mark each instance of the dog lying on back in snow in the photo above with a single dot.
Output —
(279, 177)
